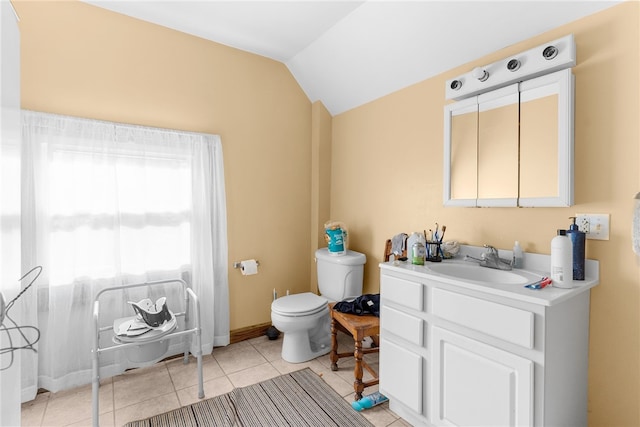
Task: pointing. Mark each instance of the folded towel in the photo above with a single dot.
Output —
(398, 243)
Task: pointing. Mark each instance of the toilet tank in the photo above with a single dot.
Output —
(340, 276)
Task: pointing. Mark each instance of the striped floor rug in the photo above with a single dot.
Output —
(300, 398)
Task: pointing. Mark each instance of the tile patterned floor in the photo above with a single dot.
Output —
(144, 392)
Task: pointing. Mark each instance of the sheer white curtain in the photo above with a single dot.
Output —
(106, 204)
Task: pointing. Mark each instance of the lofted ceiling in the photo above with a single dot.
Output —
(347, 53)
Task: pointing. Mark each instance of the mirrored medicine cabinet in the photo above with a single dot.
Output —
(512, 146)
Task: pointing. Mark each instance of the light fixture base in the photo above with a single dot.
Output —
(544, 59)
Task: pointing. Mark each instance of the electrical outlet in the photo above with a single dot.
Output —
(596, 226)
(583, 223)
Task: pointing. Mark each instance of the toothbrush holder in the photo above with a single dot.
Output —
(434, 251)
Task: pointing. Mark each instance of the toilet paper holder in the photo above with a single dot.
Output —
(238, 264)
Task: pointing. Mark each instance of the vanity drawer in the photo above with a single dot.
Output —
(402, 325)
(404, 292)
(498, 320)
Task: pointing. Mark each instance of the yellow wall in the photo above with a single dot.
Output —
(402, 134)
(320, 181)
(81, 60)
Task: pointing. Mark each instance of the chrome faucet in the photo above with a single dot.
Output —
(491, 259)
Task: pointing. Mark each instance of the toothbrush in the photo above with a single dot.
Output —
(426, 243)
(444, 228)
(540, 284)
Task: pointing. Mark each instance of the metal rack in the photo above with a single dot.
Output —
(190, 298)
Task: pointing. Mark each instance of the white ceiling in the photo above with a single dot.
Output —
(347, 53)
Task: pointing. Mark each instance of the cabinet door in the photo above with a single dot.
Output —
(401, 374)
(461, 153)
(498, 147)
(546, 140)
(476, 384)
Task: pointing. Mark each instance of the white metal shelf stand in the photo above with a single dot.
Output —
(189, 298)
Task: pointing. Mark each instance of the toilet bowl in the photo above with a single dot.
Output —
(304, 318)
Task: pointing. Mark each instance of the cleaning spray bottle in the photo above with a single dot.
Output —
(369, 401)
(577, 238)
(518, 257)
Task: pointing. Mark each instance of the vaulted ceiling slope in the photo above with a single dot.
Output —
(348, 53)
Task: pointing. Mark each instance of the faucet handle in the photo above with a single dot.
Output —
(491, 248)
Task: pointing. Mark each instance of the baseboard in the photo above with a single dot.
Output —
(249, 332)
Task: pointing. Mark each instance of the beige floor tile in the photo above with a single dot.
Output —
(285, 367)
(147, 408)
(270, 349)
(253, 375)
(212, 388)
(399, 422)
(106, 420)
(139, 385)
(380, 415)
(184, 376)
(239, 358)
(342, 387)
(70, 406)
(231, 348)
(145, 392)
(32, 412)
(320, 365)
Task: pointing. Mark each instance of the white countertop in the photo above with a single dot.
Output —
(535, 264)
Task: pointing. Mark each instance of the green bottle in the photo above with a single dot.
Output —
(417, 253)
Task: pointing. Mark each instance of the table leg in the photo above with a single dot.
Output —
(357, 371)
(334, 346)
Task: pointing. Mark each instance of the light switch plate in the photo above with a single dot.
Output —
(595, 225)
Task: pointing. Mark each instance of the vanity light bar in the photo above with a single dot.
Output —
(547, 58)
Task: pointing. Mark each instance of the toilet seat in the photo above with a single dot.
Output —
(297, 305)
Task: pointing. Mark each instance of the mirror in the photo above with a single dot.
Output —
(462, 118)
(512, 146)
(546, 139)
(498, 147)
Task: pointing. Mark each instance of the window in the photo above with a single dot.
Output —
(105, 204)
(117, 213)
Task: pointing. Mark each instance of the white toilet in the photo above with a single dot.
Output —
(304, 318)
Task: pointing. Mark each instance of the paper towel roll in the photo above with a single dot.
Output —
(249, 267)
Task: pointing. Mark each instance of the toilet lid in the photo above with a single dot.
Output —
(299, 304)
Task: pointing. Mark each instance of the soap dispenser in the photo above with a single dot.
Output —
(577, 238)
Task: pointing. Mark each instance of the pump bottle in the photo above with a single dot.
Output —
(561, 261)
(577, 238)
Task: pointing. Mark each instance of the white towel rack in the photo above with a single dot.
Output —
(190, 299)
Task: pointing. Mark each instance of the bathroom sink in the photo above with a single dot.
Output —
(483, 274)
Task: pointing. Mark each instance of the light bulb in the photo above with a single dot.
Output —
(480, 74)
(513, 65)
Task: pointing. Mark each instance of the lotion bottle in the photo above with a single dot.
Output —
(562, 261)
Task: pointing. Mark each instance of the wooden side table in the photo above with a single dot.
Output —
(358, 327)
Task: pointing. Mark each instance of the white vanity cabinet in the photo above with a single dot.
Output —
(456, 352)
